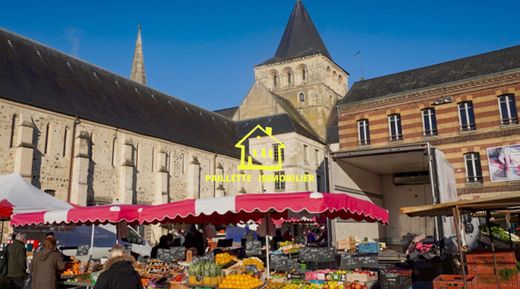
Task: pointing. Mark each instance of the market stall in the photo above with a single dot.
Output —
(289, 262)
(295, 266)
(22, 197)
(79, 273)
(487, 268)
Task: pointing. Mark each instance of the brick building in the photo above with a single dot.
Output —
(465, 108)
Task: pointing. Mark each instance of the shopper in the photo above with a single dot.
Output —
(163, 244)
(119, 272)
(46, 266)
(48, 235)
(287, 235)
(195, 240)
(277, 239)
(16, 262)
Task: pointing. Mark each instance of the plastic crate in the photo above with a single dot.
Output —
(395, 280)
(476, 269)
(505, 257)
(453, 281)
(488, 280)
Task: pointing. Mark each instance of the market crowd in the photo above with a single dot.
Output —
(47, 264)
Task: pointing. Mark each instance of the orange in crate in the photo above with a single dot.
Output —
(453, 281)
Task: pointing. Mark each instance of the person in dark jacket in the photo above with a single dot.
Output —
(16, 262)
(119, 272)
(195, 240)
(163, 244)
(46, 266)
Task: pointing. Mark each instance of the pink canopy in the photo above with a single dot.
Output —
(224, 210)
(81, 215)
(232, 209)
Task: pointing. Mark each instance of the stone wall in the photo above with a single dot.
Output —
(108, 165)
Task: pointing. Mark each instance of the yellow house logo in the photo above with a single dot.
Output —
(266, 155)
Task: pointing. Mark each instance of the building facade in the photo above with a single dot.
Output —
(463, 118)
(466, 109)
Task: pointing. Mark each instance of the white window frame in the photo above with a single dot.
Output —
(468, 122)
(364, 125)
(399, 135)
(275, 153)
(508, 98)
(475, 177)
(279, 186)
(431, 132)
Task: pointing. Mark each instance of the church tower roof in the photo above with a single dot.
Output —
(138, 74)
(300, 38)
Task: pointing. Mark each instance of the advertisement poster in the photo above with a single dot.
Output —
(504, 163)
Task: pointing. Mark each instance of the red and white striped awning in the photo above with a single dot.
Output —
(112, 214)
(224, 210)
(232, 209)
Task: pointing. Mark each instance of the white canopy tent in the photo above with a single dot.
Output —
(26, 198)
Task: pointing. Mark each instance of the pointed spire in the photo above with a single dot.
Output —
(138, 74)
(301, 38)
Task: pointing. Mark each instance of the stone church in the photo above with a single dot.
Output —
(89, 136)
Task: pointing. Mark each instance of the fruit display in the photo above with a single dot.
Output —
(157, 267)
(204, 273)
(224, 258)
(274, 284)
(240, 281)
(356, 285)
(291, 286)
(288, 247)
(72, 269)
(254, 261)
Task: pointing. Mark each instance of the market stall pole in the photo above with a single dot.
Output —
(456, 218)
(502, 202)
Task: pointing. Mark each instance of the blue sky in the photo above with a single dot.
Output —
(204, 51)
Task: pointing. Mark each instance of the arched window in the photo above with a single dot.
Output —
(340, 79)
(274, 77)
(328, 68)
(302, 97)
(289, 76)
(303, 74)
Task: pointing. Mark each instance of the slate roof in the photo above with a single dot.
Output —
(300, 38)
(227, 112)
(305, 128)
(451, 71)
(36, 75)
(280, 123)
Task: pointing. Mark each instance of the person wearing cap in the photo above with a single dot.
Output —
(119, 272)
(46, 266)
